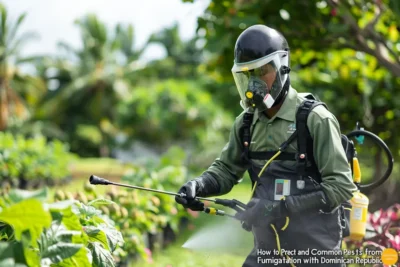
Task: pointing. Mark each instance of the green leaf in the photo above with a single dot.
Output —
(97, 235)
(6, 251)
(60, 205)
(17, 253)
(100, 201)
(69, 236)
(88, 211)
(60, 251)
(68, 218)
(114, 236)
(6, 232)
(101, 256)
(80, 259)
(27, 215)
(17, 195)
(30, 255)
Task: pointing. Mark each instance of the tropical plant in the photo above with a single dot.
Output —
(175, 111)
(383, 231)
(87, 84)
(19, 92)
(182, 57)
(35, 233)
(148, 221)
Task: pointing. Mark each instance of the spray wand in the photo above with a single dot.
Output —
(231, 203)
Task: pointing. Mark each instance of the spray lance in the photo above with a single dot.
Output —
(231, 203)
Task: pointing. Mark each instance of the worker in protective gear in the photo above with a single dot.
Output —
(304, 214)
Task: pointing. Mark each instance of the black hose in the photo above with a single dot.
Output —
(366, 188)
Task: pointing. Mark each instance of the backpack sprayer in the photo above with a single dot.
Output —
(360, 202)
(357, 214)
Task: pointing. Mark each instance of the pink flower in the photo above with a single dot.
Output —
(148, 252)
(395, 242)
(149, 259)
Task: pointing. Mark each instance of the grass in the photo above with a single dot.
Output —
(228, 244)
(111, 168)
(75, 186)
(81, 170)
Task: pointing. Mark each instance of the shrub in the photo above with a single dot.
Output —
(69, 233)
(33, 162)
(148, 221)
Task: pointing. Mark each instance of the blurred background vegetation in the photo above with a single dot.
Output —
(96, 108)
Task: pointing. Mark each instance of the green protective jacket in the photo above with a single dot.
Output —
(268, 134)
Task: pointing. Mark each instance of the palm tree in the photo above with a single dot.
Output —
(183, 57)
(90, 81)
(19, 92)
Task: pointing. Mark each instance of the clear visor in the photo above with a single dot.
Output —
(266, 70)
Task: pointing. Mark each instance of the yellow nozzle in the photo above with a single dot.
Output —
(214, 211)
(249, 95)
(356, 171)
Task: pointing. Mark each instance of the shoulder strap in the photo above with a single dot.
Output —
(304, 141)
(246, 135)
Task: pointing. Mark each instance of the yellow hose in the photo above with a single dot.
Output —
(356, 171)
(278, 244)
(263, 169)
(287, 218)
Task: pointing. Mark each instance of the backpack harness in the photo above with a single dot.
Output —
(304, 154)
(304, 141)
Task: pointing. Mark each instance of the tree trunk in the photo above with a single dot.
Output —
(104, 149)
(3, 105)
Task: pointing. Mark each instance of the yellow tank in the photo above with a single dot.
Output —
(358, 216)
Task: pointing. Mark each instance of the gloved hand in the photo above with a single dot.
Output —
(262, 212)
(190, 189)
(313, 201)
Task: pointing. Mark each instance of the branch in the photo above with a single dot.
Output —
(370, 32)
(361, 35)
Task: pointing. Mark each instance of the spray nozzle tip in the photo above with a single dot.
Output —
(97, 180)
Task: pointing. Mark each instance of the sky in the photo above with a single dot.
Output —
(53, 20)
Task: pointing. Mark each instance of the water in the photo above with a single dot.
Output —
(225, 235)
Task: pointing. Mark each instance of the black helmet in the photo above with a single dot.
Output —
(261, 57)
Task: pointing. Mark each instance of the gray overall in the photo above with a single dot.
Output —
(318, 235)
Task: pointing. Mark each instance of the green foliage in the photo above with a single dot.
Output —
(333, 54)
(33, 161)
(171, 110)
(143, 212)
(89, 82)
(182, 57)
(137, 214)
(69, 233)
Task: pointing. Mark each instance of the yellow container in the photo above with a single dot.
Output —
(358, 216)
